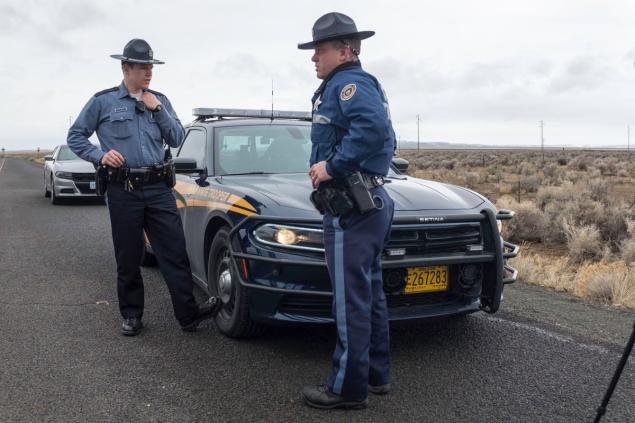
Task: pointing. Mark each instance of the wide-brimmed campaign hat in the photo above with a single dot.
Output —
(137, 51)
(334, 26)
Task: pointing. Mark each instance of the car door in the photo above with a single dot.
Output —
(189, 199)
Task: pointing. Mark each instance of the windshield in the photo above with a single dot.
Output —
(67, 154)
(262, 149)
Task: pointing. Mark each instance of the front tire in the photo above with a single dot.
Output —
(54, 198)
(233, 320)
(47, 193)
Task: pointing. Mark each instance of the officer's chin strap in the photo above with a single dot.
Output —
(618, 372)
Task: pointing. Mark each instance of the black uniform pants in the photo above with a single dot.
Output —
(153, 208)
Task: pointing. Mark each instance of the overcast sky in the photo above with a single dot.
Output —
(476, 72)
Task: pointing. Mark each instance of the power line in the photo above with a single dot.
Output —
(418, 133)
(542, 140)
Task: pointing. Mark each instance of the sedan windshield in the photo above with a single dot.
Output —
(262, 149)
(67, 154)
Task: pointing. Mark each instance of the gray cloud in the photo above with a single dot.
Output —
(12, 19)
(581, 73)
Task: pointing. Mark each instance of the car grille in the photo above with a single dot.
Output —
(431, 239)
(314, 305)
(83, 177)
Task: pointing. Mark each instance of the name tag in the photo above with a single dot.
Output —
(120, 109)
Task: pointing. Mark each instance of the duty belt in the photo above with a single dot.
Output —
(134, 177)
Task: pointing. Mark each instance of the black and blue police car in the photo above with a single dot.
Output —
(255, 240)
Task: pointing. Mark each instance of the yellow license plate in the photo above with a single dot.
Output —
(427, 279)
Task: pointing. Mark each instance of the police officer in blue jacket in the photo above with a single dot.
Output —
(352, 134)
(132, 123)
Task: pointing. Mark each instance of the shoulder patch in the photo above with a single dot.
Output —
(107, 90)
(348, 92)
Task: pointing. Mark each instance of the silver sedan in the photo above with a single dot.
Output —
(67, 176)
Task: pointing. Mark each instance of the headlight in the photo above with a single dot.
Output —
(500, 226)
(64, 175)
(295, 237)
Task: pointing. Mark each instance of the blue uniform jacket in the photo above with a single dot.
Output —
(137, 136)
(351, 127)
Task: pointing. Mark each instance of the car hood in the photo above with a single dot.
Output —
(409, 194)
(75, 166)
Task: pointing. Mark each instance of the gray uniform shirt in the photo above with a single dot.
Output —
(138, 137)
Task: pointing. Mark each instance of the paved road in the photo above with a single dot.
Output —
(545, 357)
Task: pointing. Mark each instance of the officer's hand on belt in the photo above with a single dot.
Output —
(150, 100)
(113, 158)
(319, 174)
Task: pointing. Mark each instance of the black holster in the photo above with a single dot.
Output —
(101, 179)
(357, 188)
(332, 199)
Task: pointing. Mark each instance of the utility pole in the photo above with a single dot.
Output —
(418, 133)
(542, 140)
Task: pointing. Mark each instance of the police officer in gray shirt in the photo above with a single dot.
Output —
(132, 124)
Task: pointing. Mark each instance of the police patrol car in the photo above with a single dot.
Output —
(255, 240)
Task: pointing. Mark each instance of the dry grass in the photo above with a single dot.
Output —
(611, 283)
(579, 202)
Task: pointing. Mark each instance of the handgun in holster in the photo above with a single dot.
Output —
(360, 193)
(170, 173)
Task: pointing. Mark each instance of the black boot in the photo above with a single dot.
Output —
(207, 310)
(320, 396)
(131, 326)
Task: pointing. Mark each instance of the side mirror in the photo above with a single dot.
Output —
(48, 158)
(401, 164)
(185, 165)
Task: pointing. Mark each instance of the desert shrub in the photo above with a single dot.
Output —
(614, 288)
(527, 225)
(581, 162)
(448, 164)
(598, 189)
(555, 225)
(549, 170)
(562, 161)
(613, 225)
(607, 167)
(627, 250)
(559, 195)
(572, 176)
(623, 173)
(471, 179)
(584, 243)
(530, 183)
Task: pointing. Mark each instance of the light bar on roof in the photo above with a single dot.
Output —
(204, 112)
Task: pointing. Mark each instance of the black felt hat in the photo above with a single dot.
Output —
(334, 26)
(137, 51)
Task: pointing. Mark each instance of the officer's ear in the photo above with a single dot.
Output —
(126, 67)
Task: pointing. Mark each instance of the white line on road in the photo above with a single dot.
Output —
(544, 332)
(2, 165)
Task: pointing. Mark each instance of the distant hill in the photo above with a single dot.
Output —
(441, 145)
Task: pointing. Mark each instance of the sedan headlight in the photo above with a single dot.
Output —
(285, 236)
(64, 175)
